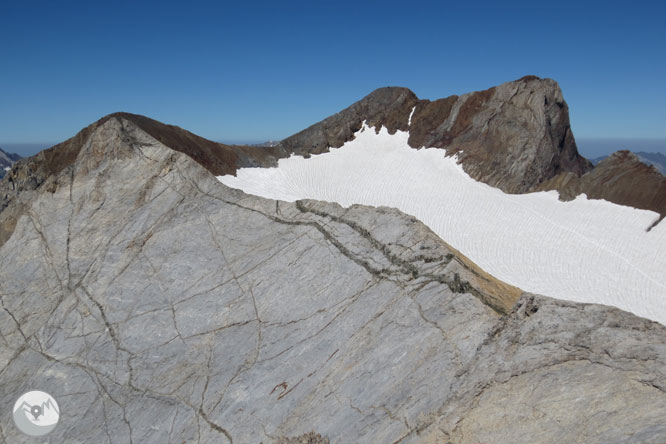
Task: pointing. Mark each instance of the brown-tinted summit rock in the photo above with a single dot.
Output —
(516, 136)
(42, 170)
(218, 158)
(389, 107)
(31, 173)
(620, 178)
(513, 136)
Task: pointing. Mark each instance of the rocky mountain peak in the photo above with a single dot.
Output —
(134, 282)
(117, 130)
(390, 96)
(388, 106)
(656, 160)
(620, 178)
(513, 136)
(621, 156)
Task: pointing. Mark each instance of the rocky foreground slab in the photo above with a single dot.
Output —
(158, 305)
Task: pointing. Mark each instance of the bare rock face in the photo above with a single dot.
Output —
(513, 136)
(43, 169)
(219, 159)
(389, 107)
(621, 178)
(157, 305)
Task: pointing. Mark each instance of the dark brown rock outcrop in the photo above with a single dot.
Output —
(389, 107)
(620, 178)
(516, 137)
(513, 136)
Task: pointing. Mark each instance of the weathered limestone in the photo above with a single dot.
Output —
(158, 305)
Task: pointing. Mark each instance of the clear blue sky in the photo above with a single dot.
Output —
(252, 71)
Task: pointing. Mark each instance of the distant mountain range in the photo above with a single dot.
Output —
(6, 161)
(658, 160)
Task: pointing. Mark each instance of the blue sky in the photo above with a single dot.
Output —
(264, 70)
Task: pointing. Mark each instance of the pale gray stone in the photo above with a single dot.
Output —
(158, 305)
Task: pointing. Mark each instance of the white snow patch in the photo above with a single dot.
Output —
(8, 168)
(409, 122)
(583, 250)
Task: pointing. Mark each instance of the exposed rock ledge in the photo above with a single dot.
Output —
(158, 305)
(621, 178)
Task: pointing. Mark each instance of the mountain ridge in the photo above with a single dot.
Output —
(477, 126)
(620, 178)
(658, 160)
(136, 283)
(515, 136)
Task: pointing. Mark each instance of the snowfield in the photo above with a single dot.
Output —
(583, 250)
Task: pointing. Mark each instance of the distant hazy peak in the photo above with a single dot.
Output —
(11, 156)
(6, 161)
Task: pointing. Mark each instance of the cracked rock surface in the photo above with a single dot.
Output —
(157, 305)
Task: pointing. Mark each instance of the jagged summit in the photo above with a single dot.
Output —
(657, 160)
(513, 136)
(516, 136)
(621, 156)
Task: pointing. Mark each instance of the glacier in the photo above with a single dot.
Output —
(583, 250)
